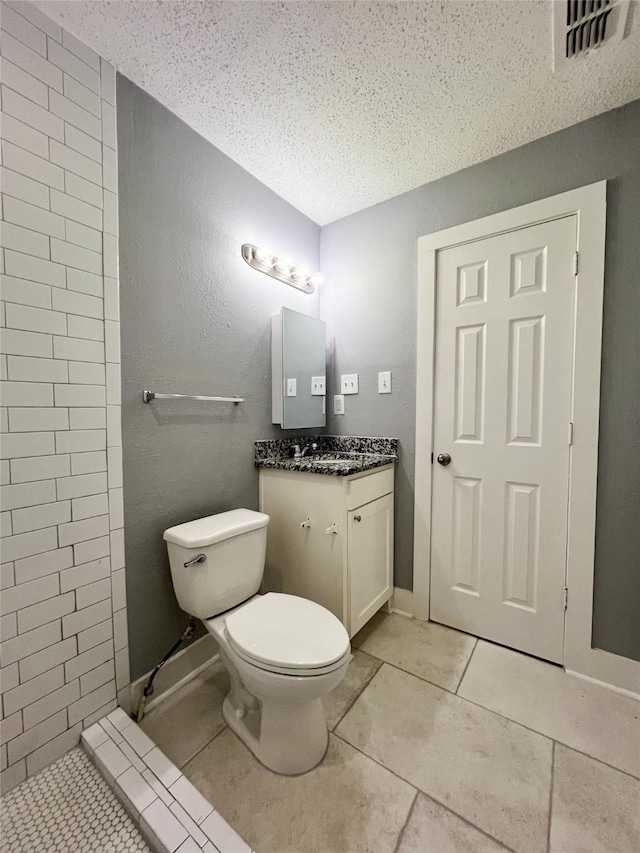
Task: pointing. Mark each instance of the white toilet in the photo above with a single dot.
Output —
(283, 653)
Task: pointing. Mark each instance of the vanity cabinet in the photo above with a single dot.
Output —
(330, 539)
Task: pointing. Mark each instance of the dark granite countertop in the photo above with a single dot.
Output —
(337, 456)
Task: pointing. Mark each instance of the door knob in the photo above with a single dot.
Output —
(357, 518)
(444, 458)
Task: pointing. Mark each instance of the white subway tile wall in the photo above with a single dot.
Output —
(65, 655)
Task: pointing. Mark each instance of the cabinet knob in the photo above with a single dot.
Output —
(357, 518)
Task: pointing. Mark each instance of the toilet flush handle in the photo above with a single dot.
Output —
(199, 559)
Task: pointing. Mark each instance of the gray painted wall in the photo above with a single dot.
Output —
(369, 303)
(195, 319)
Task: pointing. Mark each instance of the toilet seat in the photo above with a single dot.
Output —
(288, 635)
(287, 671)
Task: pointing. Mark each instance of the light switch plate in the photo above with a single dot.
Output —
(318, 386)
(338, 404)
(291, 387)
(384, 382)
(349, 383)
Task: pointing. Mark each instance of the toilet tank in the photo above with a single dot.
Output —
(233, 545)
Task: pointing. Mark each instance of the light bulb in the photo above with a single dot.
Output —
(283, 264)
(300, 273)
(263, 253)
(317, 279)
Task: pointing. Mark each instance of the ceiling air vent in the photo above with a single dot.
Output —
(583, 25)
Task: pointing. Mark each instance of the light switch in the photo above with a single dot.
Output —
(349, 383)
(318, 386)
(384, 382)
(338, 404)
(291, 387)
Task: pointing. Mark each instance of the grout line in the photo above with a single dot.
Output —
(413, 674)
(464, 671)
(35, 180)
(375, 761)
(182, 766)
(495, 713)
(553, 776)
(420, 791)
(597, 760)
(492, 711)
(406, 823)
(360, 691)
(548, 737)
(422, 677)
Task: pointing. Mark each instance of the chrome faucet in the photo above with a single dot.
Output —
(298, 454)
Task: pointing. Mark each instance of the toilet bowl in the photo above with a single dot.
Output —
(286, 728)
(283, 653)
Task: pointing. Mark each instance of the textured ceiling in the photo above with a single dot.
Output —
(339, 105)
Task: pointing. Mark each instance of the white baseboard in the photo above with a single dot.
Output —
(402, 602)
(177, 671)
(608, 685)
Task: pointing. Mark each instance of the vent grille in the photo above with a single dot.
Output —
(583, 25)
(586, 25)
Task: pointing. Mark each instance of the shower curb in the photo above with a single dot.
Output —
(169, 811)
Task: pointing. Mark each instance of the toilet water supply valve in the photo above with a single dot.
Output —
(148, 688)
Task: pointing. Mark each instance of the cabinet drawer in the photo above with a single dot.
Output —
(368, 488)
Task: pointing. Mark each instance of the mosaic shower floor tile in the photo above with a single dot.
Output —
(67, 807)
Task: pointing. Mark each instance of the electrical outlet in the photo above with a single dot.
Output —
(349, 383)
(384, 382)
(291, 387)
(338, 404)
(318, 386)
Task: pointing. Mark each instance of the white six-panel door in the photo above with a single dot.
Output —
(502, 409)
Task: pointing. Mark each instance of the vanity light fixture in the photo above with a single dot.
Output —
(262, 258)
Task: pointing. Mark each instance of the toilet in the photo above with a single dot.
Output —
(283, 653)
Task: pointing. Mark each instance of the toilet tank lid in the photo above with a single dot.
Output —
(215, 528)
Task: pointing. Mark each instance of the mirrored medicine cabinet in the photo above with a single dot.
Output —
(298, 370)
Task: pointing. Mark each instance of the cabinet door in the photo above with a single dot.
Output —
(305, 561)
(370, 560)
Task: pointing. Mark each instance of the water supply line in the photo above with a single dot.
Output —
(148, 688)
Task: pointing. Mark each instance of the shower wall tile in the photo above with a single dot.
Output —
(65, 640)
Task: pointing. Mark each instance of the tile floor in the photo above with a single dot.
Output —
(67, 807)
(440, 744)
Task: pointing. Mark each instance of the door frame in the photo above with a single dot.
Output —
(589, 205)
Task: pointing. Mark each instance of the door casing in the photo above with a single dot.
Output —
(589, 204)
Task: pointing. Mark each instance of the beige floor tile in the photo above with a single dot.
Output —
(348, 804)
(575, 712)
(492, 772)
(190, 718)
(430, 651)
(361, 670)
(595, 809)
(433, 829)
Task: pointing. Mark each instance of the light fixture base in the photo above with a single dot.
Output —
(249, 252)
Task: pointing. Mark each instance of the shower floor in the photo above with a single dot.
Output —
(67, 807)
